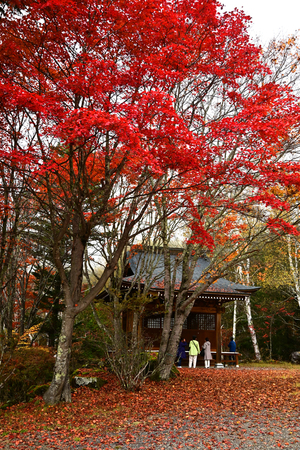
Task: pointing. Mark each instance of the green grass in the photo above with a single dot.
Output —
(270, 365)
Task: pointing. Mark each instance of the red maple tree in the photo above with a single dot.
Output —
(110, 101)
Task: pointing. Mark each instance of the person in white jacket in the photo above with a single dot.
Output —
(207, 353)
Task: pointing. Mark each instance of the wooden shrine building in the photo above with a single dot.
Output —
(204, 319)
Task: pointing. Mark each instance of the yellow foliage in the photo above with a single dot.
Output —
(25, 340)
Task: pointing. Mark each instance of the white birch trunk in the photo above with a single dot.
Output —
(249, 312)
(294, 269)
(252, 329)
(234, 320)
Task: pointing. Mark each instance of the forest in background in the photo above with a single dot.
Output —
(275, 307)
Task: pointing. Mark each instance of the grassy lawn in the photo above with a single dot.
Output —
(270, 365)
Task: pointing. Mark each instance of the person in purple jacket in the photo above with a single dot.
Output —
(181, 352)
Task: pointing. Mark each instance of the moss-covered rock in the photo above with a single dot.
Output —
(26, 370)
(90, 382)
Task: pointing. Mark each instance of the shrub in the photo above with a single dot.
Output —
(87, 352)
(129, 359)
(21, 375)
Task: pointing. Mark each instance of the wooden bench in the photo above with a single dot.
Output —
(225, 357)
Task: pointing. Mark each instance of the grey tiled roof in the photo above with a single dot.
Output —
(142, 264)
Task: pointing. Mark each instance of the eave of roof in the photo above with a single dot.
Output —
(220, 286)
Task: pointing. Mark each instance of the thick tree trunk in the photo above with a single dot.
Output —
(171, 350)
(173, 342)
(169, 299)
(60, 389)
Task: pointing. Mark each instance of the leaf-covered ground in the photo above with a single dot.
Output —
(201, 409)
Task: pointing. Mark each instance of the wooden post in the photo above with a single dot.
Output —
(219, 363)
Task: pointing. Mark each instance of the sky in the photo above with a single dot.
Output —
(270, 18)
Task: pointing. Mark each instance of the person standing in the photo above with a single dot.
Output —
(232, 348)
(207, 353)
(181, 352)
(194, 352)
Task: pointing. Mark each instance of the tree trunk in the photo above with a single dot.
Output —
(248, 310)
(136, 334)
(294, 269)
(2, 335)
(173, 342)
(171, 351)
(23, 315)
(169, 299)
(9, 316)
(270, 338)
(234, 320)
(219, 339)
(117, 324)
(251, 329)
(60, 389)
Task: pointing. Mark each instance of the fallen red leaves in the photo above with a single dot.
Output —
(190, 397)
